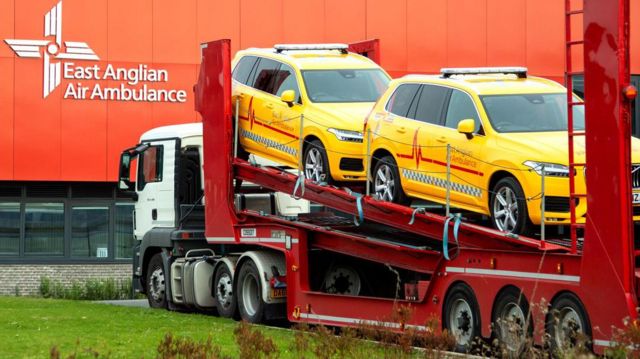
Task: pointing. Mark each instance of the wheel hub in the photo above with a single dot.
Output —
(461, 322)
(313, 167)
(156, 285)
(505, 209)
(569, 326)
(384, 183)
(224, 291)
(512, 324)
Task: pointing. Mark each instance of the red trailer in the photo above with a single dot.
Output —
(322, 268)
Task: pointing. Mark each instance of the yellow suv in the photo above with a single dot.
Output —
(500, 130)
(324, 87)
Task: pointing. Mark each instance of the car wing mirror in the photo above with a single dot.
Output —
(467, 126)
(288, 97)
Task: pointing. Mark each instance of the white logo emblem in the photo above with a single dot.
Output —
(73, 49)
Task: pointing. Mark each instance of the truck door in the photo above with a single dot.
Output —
(155, 186)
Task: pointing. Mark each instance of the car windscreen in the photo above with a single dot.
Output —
(363, 85)
(531, 112)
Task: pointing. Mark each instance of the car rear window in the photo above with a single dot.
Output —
(401, 100)
(431, 104)
(243, 69)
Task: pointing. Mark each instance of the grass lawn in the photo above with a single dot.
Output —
(29, 327)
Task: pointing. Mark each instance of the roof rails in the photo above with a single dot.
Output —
(521, 72)
(301, 47)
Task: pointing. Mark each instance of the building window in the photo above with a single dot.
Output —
(44, 229)
(123, 233)
(9, 228)
(90, 232)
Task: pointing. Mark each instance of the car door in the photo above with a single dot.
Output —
(468, 171)
(286, 117)
(393, 129)
(155, 186)
(425, 173)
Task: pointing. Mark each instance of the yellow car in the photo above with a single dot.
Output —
(324, 87)
(500, 129)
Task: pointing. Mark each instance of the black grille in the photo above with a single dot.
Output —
(635, 176)
(557, 204)
(47, 190)
(636, 210)
(10, 191)
(351, 164)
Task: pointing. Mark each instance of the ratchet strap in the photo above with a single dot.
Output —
(457, 218)
(413, 214)
(300, 184)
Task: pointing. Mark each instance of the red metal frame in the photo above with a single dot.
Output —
(488, 261)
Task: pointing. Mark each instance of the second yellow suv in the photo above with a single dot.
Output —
(324, 87)
(498, 129)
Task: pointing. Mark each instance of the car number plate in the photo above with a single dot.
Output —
(278, 292)
(635, 197)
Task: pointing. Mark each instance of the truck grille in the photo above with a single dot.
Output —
(351, 164)
(635, 176)
(557, 204)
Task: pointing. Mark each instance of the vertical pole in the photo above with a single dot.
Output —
(368, 163)
(448, 209)
(235, 129)
(301, 147)
(542, 208)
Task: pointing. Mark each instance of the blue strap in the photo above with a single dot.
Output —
(457, 218)
(413, 214)
(358, 220)
(299, 183)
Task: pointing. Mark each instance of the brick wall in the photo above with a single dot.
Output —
(25, 278)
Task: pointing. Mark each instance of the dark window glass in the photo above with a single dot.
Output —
(9, 228)
(90, 232)
(431, 104)
(44, 228)
(123, 231)
(150, 166)
(342, 86)
(264, 75)
(461, 108)
(243, 69)
(531, 112)
(286, 80)
(402, 98)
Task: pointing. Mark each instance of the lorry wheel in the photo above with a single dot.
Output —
(316, 163)
(342, 279)
(512, 325)
(386, 181)
(462, 316)
(223, 292)
(509, 207)
(567, 324)
(249, 293)
(156, 289)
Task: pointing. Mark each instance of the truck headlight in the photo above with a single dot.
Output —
(550, 169)
(347, 135)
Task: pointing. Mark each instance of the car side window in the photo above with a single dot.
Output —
(430, 107)
(285, 79)
(265, 74)
(461, 108)
(243, 69)
(401, 100)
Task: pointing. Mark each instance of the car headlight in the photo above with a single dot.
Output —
(550, 169)
(346, 135)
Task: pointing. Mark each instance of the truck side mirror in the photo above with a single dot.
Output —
(124, 180)
(288, 97)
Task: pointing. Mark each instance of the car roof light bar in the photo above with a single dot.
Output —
(301, 47)
(521, 72)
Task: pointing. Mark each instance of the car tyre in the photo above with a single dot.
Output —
(316, 163)
(509, 207)
(386, 181)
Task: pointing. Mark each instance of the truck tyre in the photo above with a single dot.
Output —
(386, 181)
(156, 289)
(461, 316)
(512, 323)
(249, 293)
(509, 207)
(316, 163)
(567, 324)
(223, 292)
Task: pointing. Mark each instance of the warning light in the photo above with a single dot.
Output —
(630, 92)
